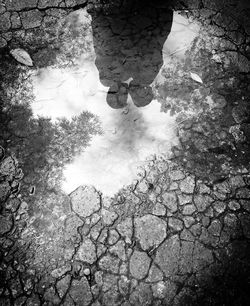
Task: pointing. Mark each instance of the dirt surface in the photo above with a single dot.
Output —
(176, 235)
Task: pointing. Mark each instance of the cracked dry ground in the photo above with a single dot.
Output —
(179, 234)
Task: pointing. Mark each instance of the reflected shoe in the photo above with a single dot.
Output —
(142, 95)
(117, 96)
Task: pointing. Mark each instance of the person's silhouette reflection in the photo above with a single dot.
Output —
(128, 41)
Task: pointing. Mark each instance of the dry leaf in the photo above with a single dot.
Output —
(195, 77)
(22, 56)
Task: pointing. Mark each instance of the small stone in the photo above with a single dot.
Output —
(176, 175)
(108, 217)
(202, 202)
(159, 210)
(187, 185)
(87, 252)
(219, 207)
(85, 201)
(215, 228)
(139, 264)
(234, 205)
(80, 292)
(196, 229)
(188, 209)
(125, 228)
(159, 290)
(185, 199)
(188, 221)
(150, 231)
(175, 224)
(119, 250)
(142, 187)
(109, 263)
(31, 19)
(170, 201)
(113, 237)
(15, 21)
(5, 22)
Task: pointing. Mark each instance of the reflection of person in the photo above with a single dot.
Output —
(128, 41)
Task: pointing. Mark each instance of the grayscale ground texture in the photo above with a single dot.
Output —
(178, 234)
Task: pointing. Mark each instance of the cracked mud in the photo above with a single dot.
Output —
(175, 229)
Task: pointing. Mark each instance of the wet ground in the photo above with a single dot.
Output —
(124, 152)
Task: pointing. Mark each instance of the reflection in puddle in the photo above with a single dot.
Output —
(129, 135)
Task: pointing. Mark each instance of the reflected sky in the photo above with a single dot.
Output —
(131, 134)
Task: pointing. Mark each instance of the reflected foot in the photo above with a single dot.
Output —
(117, 95)
(142, 95)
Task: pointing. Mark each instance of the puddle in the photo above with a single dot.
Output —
(130, 134)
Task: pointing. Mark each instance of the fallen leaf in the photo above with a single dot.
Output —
(196, 78)
(22, 56)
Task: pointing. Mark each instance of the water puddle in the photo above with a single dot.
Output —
(130, 134)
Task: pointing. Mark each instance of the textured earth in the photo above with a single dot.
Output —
(178, 234)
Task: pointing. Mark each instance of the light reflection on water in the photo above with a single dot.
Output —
(130, 134)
